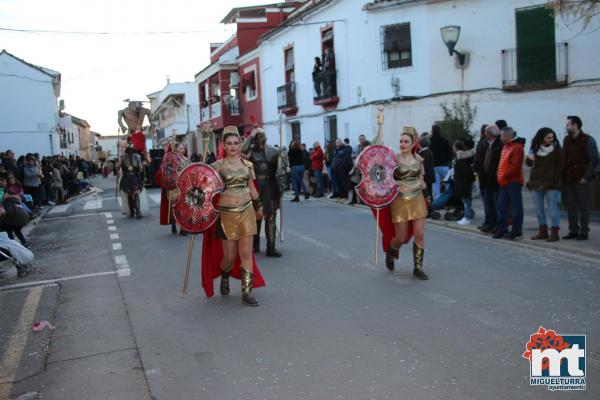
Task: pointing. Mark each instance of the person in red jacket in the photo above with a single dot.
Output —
(316, 160)
(510, 178)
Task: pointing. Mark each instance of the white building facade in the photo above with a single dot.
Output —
(28, 107)
(175, 108)
(524, 65)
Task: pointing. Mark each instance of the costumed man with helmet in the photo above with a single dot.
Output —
(131, 180)
(270, 169)
(174, 161)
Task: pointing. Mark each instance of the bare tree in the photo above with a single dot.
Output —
(577, 10)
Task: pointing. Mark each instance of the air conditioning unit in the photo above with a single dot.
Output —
(234, 80)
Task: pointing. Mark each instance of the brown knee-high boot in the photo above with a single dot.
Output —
(418, 255)
(247, 285)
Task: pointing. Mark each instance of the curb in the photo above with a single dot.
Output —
(451, 225)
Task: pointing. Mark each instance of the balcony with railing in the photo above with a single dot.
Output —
(233, 104)
(535, 67)
(286, 99)
(215, 110)
(325, 89)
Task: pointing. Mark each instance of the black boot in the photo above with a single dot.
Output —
(390, 256)
(247, 285)
(271, 233)
(173, 228)
(256, 242)
(224, 287)
(131, 204)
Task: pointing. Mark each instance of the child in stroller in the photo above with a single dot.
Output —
(447, 201)
(12, 253)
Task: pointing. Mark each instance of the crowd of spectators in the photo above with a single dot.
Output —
(495, 163)
(30, 183)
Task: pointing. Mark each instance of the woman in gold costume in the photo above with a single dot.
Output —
(409, 210)
(239, 206)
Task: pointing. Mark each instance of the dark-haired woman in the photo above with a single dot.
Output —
(546, 161)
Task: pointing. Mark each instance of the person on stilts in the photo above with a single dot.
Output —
(131, 180)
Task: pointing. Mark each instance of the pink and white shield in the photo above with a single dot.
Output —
(377, 188)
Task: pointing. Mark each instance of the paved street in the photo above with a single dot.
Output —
(331, 325)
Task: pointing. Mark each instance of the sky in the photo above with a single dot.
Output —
(100, 71)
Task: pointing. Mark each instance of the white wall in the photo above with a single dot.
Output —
(488, 27)
(28, 109)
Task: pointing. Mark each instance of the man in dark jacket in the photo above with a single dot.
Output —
(581, 158)
(429, 171)
(442, 155)
(487, 158)
(342, 164)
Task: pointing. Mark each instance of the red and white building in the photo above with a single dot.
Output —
(229, 88)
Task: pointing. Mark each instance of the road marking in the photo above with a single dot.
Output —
(155, 197)
(92, 204)
(124, 272)
(114, 236)
(112, 228)
(16, 344)
(120, 201)
(110, 221)
(117, 246)
(53, 281)
(121, 259)
(440, 298)
(59, 209)
(308, 239)
(108, 215)
(70, 216)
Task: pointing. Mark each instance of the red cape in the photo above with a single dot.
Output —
(164, 201)
(212, 253)
(387, 227)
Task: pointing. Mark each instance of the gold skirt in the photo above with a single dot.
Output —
(237, 222)
(406, 209)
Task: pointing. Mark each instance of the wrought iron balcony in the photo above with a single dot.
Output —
(535, 67)
(325, 89)
(286, 98)
(233, 104)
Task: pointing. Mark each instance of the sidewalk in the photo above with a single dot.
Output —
(590, 248)
(587, 248)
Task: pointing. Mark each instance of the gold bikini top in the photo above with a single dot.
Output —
(408, 175)
(236, 180)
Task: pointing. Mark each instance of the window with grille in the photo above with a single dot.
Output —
(396, 46)
(289, 65)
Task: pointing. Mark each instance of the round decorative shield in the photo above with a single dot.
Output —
(194, 210)
(170, 167)
(377, 187)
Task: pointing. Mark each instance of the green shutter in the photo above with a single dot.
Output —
(536, 59)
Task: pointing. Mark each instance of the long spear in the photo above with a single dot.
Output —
(280, 197)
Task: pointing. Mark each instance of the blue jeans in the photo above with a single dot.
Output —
(490, 199)
(297, 179)
(440, 174)
(319, 180)
(512, 193)
(331, 179)
(553, 197)
(468, 210)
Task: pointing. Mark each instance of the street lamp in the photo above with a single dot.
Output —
(450, 35)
